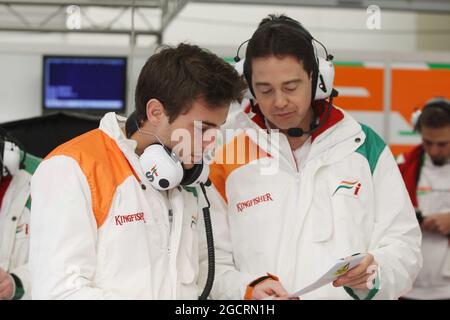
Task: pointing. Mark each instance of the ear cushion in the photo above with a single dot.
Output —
(131, 126)
(315, 76)
(191, 175)
(325, 79)
(247, 77)
(239, 66)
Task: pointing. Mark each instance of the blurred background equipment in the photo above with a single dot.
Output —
(40, 135)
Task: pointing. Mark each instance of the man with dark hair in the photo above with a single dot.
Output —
(336, 190)
(426, 171)
(102, 228)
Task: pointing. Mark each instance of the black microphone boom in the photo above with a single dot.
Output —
(298, 132)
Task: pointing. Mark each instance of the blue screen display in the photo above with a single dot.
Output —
(84, 83)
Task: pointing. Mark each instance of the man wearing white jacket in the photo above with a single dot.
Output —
(16, 168)
(286, 205)
(108, 221)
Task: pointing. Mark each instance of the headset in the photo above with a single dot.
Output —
(10, 160)
(165, 171)
(322, 75)
(323, 68)
(437, 102)
(162, 167)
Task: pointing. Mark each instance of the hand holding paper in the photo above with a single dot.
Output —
(358, 277)
(351, 272)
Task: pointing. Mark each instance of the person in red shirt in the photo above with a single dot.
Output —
(426, 172)
(16, 168)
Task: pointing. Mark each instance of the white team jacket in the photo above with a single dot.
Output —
(14, 229)
(100, 231)
(347, 198)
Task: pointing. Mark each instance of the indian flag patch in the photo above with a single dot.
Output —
(350, 185)
(421, 191)
(19, 228)
(23, 228)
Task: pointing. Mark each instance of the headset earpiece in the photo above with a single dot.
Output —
(240, 67)
(162, 168)
(197, 174)
(10, 158)
(325, 79)
(10, 155)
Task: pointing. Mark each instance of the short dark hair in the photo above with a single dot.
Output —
(280, 35)
(176, 76)
(435, 114)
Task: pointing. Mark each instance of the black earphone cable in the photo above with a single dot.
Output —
(210, 244)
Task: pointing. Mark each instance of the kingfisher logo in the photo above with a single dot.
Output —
(152, 173)
(250, 203)
(120, 220)
(355, 185)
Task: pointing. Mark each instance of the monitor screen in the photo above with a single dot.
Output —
(84, 83)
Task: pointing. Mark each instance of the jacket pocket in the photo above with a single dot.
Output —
(323, 220)
(350, 223)
(188, 258)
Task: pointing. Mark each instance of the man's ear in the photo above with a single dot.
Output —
(155, 111)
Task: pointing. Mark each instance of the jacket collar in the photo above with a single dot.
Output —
(111, 124)
(320, 110)
(333, 140)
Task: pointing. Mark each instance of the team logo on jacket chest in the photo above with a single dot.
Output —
(352, 186)
(241, 206)
(121, 219)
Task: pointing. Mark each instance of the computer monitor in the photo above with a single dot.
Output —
(84, 83)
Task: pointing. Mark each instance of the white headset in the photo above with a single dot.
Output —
(9, 157)
(162, 167)
(323, 69)
(435, 102)
(325, 78)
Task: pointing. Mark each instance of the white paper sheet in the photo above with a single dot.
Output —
(340, 267)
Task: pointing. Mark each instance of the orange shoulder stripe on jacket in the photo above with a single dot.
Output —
(103, 164)
(239, 152)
